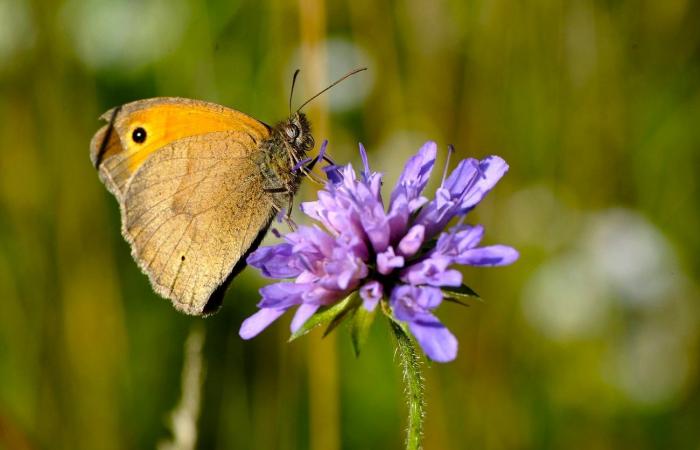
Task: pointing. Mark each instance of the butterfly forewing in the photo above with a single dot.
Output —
(163, 120)
(190, 192)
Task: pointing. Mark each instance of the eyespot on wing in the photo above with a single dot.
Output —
(136, 130)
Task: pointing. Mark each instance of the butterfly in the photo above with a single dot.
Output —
(198, 185)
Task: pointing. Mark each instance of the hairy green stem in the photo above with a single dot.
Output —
(413, 386)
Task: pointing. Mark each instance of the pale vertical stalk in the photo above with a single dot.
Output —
(183, 419)
(324, 433)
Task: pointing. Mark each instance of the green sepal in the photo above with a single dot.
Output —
(462, 292)
(360, 326)
(352, 305)
(325, 316)
(457, 301)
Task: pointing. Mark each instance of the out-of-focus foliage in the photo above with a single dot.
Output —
(590, 341)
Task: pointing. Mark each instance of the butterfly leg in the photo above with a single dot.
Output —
(284, 215)
(310, 165)
(278, 190)
(288, 216)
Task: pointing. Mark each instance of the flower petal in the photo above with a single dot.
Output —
(322, 150)
(318, 295)
(282, 295)
(491, 169)
(365, 161)
(417, 170)
(462, 177)
(403, 302)
(387, 261)
(376, 225)
(432, 271)
(343, 270)
(434, 338)
(398, 216)
(254, 324)
(333, 174)
(412, 241)
(409, 303)
(311, 242)
(371, 292)
(493, 255)
(459, 239)
(468, 183)
(469, 237)
(303, 313)
(429, 297)
(275, 261)
(415, 174)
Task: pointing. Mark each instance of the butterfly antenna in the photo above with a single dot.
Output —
(347, 75)
(291, 92)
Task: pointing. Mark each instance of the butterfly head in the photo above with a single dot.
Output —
(296, 133)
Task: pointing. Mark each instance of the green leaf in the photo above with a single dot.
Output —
(462, 292)
(324, 316)
(360, 326)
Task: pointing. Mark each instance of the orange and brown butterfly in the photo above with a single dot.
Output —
(198, 185)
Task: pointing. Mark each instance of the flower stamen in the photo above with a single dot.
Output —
(450, 150)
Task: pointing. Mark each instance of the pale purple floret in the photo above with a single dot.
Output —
(401, 253)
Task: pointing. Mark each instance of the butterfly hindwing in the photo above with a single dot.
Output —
(191, 213)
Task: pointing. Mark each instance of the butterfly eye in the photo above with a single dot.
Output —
(292, 131)
(139, 135)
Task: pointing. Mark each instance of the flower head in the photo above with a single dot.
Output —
(400, 254)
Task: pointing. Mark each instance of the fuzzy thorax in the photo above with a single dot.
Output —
(288, 144)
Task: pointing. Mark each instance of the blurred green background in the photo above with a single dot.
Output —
(590, 341)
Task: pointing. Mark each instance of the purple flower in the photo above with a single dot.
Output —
(400, 256)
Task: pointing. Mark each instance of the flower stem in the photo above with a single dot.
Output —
(413, 386)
